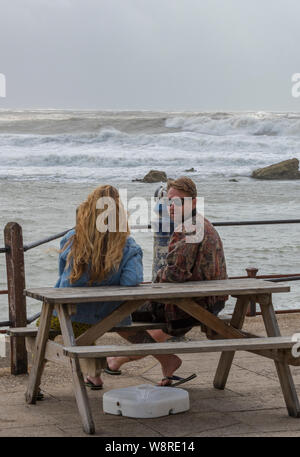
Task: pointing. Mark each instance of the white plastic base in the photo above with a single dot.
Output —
(146, 401)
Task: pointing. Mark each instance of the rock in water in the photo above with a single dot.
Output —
(154, 176)
(288, 169)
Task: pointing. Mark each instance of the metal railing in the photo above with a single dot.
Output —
(14, 251)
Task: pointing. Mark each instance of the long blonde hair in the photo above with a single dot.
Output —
(101, 251)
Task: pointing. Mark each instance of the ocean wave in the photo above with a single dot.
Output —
(59, 122)
(254, 124)
(89, 122)
(221, 144)
(179, 140)
(21, 140)
(169, 152)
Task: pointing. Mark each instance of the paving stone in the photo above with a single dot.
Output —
(268, 420)
(29, 415)
(208, 392)
(188, 424)
(37, 431)
(274, 434)
(235, 429)
(237, 403)
(12, 399)
(116, 428)
(252, 403)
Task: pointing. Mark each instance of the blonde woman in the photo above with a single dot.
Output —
(90, 256)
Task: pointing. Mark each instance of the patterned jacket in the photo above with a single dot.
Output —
(194, 261)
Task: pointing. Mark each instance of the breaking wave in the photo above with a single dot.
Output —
(53, 143)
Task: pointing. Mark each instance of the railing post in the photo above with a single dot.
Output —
(16, 299)
(252, 272)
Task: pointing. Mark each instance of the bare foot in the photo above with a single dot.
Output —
(170, 363)
(115, 363)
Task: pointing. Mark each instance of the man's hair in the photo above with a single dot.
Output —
(184, 184)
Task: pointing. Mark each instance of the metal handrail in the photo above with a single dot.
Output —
(136, 227)
(29, 320)
(278, 278)
(282, 221)
(45, 240)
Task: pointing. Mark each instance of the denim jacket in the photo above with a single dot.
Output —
(129, 273)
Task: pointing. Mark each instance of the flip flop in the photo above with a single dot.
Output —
(178, 379)
(112, 372)
(39, 396)
(93, 386)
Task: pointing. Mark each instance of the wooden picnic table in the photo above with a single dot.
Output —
(80, 353)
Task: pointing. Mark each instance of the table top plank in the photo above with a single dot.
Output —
(156, 291)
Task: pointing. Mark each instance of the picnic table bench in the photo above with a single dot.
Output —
(226, 337)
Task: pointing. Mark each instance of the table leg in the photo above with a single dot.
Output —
(78, 382)
(226, 358)
(283, 370)
(39, 354)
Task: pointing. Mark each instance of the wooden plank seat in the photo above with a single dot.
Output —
(135, 326)
(27, 331)
(243, 344)
(91, 366)
(32, 332)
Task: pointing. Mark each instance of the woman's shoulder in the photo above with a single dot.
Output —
(66, 237)
(132, 247)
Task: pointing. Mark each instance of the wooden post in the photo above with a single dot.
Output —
(252, 272)
(16, 299)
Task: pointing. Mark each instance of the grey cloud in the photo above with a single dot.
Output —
(150, 54)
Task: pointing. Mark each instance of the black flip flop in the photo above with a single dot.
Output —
(178, 379)
(39, 396)
(93, 386)
(112, 372)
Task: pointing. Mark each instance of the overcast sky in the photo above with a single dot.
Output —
(150, 54)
